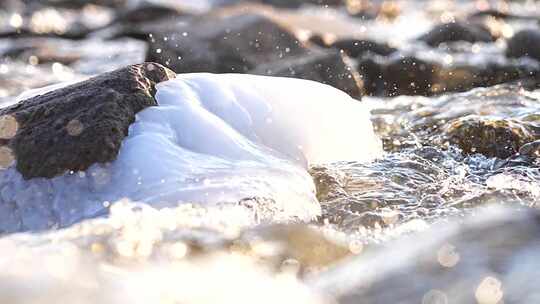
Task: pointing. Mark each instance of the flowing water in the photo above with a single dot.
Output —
(252, 189)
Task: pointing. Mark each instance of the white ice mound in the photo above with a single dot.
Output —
(212, 139)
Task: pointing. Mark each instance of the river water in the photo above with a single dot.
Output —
(445, 212)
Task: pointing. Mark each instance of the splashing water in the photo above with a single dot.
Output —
(212, 139)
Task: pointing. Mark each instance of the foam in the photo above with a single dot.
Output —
(212, 139)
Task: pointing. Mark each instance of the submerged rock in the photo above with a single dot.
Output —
(73, 127)
(456, 31)
(490, 137)
(329, 68)
(525, 43)
(234, 43)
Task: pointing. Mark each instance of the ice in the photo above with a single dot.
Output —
(213, 139)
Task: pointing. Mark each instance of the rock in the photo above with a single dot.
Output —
(318, 40)
(531, 149)
(330, 68)
(234, 43)
(371, 74)
(456, 31)
(78, 4)
(329, 183)
(76, 126)
(298, 3)
(524, 43)
(491, 137)
(409, 76)
(356, 48)
(465, 77)
(149, 12)
(307, 246)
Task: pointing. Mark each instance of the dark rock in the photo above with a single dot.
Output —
(76, 126)
(356, 48)
(150, 11)
(371, 74)
(524, 43)
(318, 40)
(494, 13)
(410, 76)
(234, 43)
(491, 137)
(465, 77)
(331, 68)
(298, 3)
(456, 31)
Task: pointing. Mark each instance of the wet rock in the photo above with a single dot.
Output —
(330, 68)
(76, 126)
(356, 48)
(233, 43)
(371, 74)
(531, 149)
(461, 78)
(78, 4)
(409, 76)
(428, 118)
(298, 3)
(301, 244)
(524, 43)
(383, 76)
(456, 31)
(318, 40)
(150, 11)
(329, 183)
(493, 138)
(91, 56)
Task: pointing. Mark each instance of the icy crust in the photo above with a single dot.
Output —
(212, 139)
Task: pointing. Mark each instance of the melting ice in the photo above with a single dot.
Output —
(212, 139)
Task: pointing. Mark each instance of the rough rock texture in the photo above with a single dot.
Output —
(356, 48)
(493, 138)
(409, 76)
(456, 31)
(76, 126)
(224, 44)
(330, 68)
(371, 73)
(524, 43)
